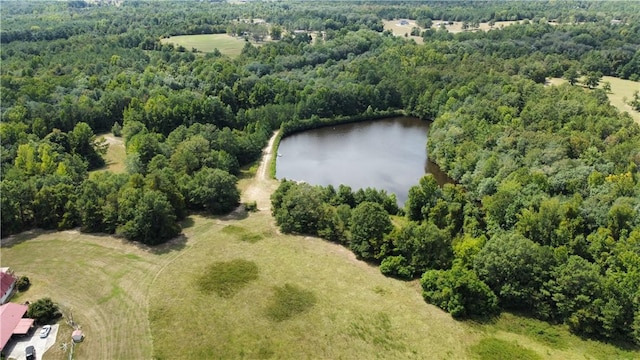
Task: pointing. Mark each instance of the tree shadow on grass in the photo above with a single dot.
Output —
(15, 239)
(177, 243)
(239, 213)
(187, 223)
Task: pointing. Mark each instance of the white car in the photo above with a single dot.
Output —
(45, 331)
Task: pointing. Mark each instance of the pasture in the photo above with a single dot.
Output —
(226, 44)
(400, 30)
(99, 281)
(282, 296)
(621, 92)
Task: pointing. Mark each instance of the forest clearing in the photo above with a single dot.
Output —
(206, 43)
(621, 92)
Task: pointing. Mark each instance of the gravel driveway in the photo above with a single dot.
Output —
(15, 347)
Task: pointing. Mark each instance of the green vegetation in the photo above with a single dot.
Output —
(621, 93)
(289, 301)
(357, 311)
(227, 278)
(496, 349)
(208, 43)
(23, 283)
(543, 218)
(242, 233)
(43, 310)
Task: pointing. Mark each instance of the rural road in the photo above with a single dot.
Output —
(261, 186)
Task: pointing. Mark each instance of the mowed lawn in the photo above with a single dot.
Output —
(226, 44)
(621, 91)
(100, 281)
(234, 288)
(241, 290)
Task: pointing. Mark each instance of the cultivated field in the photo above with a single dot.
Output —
(621, 91)
(226, 44)
(232, 287)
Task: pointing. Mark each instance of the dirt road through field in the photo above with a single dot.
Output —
(261, 186)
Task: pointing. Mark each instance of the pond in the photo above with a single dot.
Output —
(387, 154)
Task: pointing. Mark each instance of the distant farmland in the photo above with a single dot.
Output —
(621, 92)
(227, 45)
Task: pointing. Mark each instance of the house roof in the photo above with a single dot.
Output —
(10, 317)
(23, 326)
(6, 280)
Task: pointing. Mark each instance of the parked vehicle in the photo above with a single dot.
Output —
(45, 331)
(30, 352)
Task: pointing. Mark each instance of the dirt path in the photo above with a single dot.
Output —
(261, 186)
(110, 139)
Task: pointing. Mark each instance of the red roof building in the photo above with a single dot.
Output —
(12, 322)
(7, 285)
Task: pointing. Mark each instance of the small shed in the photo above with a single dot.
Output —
(77, 336)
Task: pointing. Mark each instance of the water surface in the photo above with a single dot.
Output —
(387, 154)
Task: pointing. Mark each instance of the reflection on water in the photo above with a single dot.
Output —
(387, 154)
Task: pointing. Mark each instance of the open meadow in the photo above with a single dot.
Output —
(226, 44)
(621, 91)
(116, 154)
(400, 29)
(234, 288)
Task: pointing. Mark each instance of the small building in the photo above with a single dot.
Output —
(12, 322)
(404, 22)
(77, 336)
(7, 284)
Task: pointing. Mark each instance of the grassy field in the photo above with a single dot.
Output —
(401, 30)
(621, 91)
(227, 45)
(282, 297)
(100, 281)
(115, 155)
(456, 27)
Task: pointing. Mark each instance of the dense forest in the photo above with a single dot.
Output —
(544, 217)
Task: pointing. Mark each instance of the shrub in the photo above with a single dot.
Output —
(251, 206)
(459, 292)
(23, 283)
(396, 266)
(43, 310)
(116, 129)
